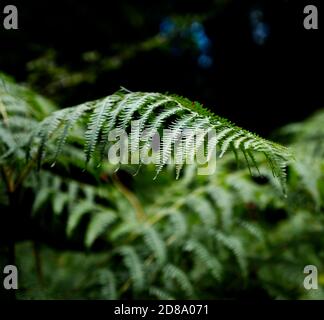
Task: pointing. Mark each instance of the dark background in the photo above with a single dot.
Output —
(257, 86)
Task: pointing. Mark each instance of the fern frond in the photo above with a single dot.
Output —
(98, 224)
(6, 138)
(172, 137)
(206, 259)
(253, 229)
(41, 198)
(179, 224)
(156, 125)
(173, 273)
(154, 241)
(70, 119)
(234, 245)
(188, 143)
(202, 207)
(45, 131)
(155, 112)
(96, 122)
(160, 294)
(223, 199)
(135, 267)
(77, 212)
(59, 200)
(138, 104)
(108, 281)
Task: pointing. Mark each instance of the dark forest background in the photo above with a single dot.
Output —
(260, 74)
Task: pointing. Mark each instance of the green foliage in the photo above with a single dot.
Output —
(226, 235)
(156, 112)
(20, 111)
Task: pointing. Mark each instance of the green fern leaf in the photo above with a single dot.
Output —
(98, 224)
(154, 112)
(77, 212)
(134, 265)
(154, 241)
(172, 272)
(96, 122)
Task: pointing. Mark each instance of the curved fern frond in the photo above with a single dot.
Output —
(173, 273)
(160, 294)
(134, 265)
(96, 122)
(77, 212)
(98, 225)
(108, 281)
(154, 241)
(203, 209)
(179, 224)
(204, 256)
(20, 111)
(155, 112)
(235, 245)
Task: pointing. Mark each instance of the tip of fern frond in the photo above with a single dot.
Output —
(125, 89)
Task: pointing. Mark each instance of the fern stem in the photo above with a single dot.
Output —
(26, 171)
(8, 179)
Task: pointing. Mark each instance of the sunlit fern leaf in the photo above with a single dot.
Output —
(184, 152)
(156, 112)
(45, 131)
(141, 102)
(120, 105)
(226, 143)
(156, 125)
(96, 122)
(149, 112)
(170, 139)
(70, 120)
